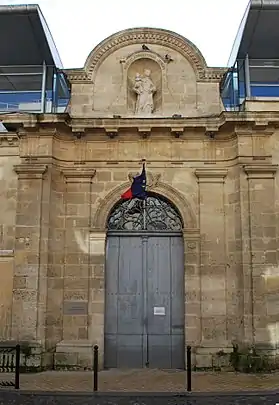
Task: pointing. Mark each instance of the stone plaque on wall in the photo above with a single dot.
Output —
(75, 307)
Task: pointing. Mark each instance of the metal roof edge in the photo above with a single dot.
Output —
(239, 36)
(253, 5)
(52, 46)
(35, 9)
(23, 8)
(265, 4)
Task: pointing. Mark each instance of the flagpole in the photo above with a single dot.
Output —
(144, 214)
(144, 204)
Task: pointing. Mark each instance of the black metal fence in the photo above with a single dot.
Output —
(10, 363)
(95, 367)
(188, 368)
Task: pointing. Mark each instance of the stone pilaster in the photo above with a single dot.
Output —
(77, 268)
(213, 257)
(30, 273)
(193, 316)
(97, 290)
(234, 233)
(261, 261)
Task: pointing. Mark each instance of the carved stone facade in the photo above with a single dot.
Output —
(61, 175)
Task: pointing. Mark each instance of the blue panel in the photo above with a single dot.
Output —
(27, 101)
(264, 91)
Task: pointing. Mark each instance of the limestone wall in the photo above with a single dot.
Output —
(8, 200)
(57, 194)
(179, 92)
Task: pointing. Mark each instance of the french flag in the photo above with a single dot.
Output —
(138, 187)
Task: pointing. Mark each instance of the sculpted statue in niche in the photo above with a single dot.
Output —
(145, 89)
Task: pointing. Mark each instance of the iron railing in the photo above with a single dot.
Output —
(10, 363)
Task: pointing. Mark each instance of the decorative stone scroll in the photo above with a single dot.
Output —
(156, 214)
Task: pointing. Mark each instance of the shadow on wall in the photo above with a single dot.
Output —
(271, 289)
(6, 293)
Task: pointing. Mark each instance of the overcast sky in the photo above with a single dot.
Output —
(78, 26)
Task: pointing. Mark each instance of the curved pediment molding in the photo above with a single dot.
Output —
(184, 206)
(149, 36)
(144, 55)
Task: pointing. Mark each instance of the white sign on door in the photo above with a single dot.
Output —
(159, 311)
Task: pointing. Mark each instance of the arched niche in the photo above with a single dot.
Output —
(138, 67)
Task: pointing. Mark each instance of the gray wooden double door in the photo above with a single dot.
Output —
(144, 303)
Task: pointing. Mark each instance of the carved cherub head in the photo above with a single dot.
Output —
(147, 72)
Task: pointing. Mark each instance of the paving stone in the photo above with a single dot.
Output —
(15, 398)
(146, 381)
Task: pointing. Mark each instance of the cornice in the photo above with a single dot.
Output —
(240, 123)
(210, 123)
(150, 36)
(77, 75)
(30, 171)
(211, 175)
(24, 122)
(260, 171)
(78, 175)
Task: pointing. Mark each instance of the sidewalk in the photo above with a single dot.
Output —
(146, 380)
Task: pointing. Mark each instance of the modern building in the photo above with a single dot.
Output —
(197, 262)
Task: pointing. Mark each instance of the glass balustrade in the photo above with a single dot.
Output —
(250, 79)
(35, 89)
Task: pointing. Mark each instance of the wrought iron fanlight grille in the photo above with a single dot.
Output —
(153, 214)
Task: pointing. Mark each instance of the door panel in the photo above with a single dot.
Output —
(144, 302)
(177, 302)
(158, 286)
(177, 283)
(124, 303)
(159, 352)
(165, 292)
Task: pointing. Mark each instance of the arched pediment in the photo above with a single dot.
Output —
(148, 36)
(183, 206)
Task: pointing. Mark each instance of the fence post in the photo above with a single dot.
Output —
(17, 367)
(95, 368)
(189, 369)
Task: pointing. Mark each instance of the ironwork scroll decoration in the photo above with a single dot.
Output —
(154, 214)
